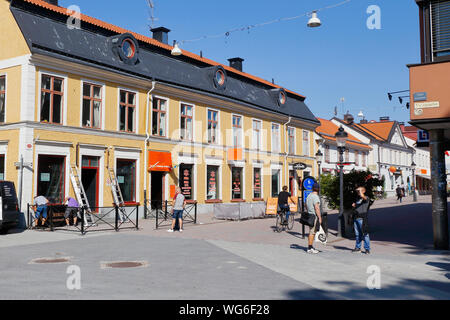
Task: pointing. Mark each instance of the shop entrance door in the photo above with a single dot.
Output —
(157, 188)
(90, 180)
(51, 178)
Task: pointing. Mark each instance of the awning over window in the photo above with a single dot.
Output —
(160, 161)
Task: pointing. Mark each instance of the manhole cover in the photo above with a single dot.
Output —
(50, 260)
(124, 264)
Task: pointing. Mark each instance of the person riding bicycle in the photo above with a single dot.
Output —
(283, 202)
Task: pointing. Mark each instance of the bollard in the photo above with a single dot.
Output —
(145, 205)
(157, 217)
(50, 211)
(28, 217)
(82, 221)
(165, 211)
(137, 217)
(195, 218)
(116, 209)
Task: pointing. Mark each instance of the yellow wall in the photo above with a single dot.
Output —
(13, 84)
(10, 34)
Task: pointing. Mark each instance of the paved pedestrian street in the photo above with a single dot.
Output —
(231, 260)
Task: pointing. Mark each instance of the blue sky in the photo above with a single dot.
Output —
(342, 58)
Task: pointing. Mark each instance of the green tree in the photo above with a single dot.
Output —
(352, 180)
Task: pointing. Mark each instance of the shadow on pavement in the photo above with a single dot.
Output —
(406, 289)
(406, 224)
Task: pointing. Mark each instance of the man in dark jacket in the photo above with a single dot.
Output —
(361, 220)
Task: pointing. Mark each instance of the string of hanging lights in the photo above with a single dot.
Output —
(313, 22)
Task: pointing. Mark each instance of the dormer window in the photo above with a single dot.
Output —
(220, 78)
(128, 48)
(282, 97)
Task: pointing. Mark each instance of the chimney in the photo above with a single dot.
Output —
(236, 63)
(349, 118)
(384, 119)
(54, 2)
(161, 34)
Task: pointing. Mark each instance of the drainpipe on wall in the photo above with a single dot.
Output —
(286, 151)
(147, 139)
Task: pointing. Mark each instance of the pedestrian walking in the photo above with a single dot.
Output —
(179, 203)
(399, 193)
(313, 207)
(360, 218)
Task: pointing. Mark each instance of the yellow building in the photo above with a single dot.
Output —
(95, 96)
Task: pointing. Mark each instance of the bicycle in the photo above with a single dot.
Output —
(282, 222)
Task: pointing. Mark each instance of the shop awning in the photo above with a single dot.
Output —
(159, 161)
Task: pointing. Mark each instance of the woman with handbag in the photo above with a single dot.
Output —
(361, 220)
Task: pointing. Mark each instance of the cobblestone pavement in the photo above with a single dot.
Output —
(233, 260)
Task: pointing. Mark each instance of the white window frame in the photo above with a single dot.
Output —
(307, 152)
(242, 130)
(103, 86)
(218, 142)
(254, 142)
(193, 121)
(194, 161)
(167, 116)
(261, 167)
(242, 166)
(295, 140)
(86, 151)
(130, 155)
(136, 113)
(280, 177)
(65, 85)
(272, 137)
(6, 98)
(215, 163)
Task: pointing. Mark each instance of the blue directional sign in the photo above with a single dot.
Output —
(308, 183)
(306, 194)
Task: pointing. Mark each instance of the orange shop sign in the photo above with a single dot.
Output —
(159, 161)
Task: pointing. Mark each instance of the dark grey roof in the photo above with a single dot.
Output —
(52, 37)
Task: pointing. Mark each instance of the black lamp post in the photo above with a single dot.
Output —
(319, 157)
(341, 140)
(413, 167)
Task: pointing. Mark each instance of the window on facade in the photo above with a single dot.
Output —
(187, 180)
(275, 183)
(237, 131)
(276, 138)
(2, 98)
(51, 178)
(213, 182)
(127, 111)
(364, 159)
(291, 140)
(347, 155)
(440, 11)
(90, 172)
(52, 93)
(237, 184)
(92, 105)
(126, 176)
(327, 154)
(186, 124)
(357, 158)
(2, 167)
(159, 115)
(257, 183)
(213, 126)
(257, 135)
(306, 143)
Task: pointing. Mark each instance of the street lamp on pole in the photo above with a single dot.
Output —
(319, 157)
(341, 140)
(413, 167)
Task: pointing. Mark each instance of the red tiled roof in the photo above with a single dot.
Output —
(328, 129)
(119, 30)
